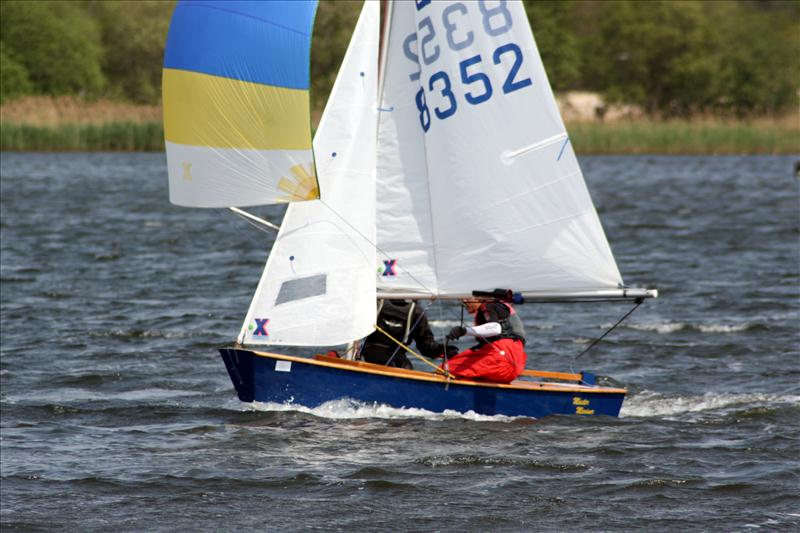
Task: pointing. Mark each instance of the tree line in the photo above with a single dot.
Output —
(672, 58)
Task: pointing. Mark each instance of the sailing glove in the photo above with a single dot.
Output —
(456, 333)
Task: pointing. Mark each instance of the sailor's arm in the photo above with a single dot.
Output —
(424, 340)
(489, 329)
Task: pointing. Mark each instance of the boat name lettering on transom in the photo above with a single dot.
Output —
(580, 404)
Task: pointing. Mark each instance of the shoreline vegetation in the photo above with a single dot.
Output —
(68, 124)
(665, 77)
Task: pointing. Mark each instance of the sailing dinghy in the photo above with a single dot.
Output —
(438, 169)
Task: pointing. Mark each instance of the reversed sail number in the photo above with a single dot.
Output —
(476, 86)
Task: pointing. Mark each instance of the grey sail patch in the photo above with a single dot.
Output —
(302, 288)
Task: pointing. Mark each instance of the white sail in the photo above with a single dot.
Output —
(318, 287)
(478, 185)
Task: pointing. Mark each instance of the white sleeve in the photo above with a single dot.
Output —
(490, 329)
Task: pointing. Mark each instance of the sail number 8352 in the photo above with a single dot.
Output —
(475, 84)
(480, 88)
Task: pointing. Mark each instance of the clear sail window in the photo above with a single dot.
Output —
(300, 288)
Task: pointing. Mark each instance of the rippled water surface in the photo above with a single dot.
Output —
(117, 410)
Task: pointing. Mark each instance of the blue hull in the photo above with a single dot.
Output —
(264, 377)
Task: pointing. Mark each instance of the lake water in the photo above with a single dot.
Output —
(117, 411)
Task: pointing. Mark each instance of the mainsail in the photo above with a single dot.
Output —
(478, 185)
(236, 104)
(318, 287)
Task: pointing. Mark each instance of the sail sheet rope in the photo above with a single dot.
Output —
(415, 354)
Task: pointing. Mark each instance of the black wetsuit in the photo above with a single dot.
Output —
(406, 322)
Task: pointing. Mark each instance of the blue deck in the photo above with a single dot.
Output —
(271, 378)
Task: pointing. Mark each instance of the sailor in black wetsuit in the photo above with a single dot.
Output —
(405, 321)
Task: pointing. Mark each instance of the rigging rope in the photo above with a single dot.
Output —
(601, 337)
(374, 245)
(418, 356)
(410, 329)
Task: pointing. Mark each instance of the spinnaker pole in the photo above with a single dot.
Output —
(251, 217)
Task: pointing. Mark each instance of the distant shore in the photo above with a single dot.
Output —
(636, 137)
(64, 125)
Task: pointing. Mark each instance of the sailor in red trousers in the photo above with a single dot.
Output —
(499, 355)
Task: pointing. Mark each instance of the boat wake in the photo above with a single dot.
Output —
(345, 409)
(651, 404)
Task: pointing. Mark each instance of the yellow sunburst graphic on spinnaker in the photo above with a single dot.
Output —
(301, 186)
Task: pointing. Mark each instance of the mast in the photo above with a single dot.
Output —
(386, 25)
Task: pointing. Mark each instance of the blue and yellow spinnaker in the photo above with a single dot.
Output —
(236, 103)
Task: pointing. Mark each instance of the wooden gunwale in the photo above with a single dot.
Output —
(369, 368)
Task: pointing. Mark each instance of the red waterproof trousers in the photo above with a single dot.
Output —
(500, 361)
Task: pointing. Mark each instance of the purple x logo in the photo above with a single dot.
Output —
(261, 327)
(388, 267)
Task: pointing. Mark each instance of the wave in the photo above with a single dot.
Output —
(144, 334)
(672, 327)
(490, 460)
(352, 409)
(650, 404)
(67, 395)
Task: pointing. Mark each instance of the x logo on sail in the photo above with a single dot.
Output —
(261, 327)
(388, 267)
(187, 171)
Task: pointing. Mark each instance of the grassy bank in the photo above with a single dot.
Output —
(635, 137)
(687, 137)
(115, 136)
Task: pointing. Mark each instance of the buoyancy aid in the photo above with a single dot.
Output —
(511, 325)
(396, 319)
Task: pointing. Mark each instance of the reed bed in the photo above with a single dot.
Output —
(112, 137)
(780, 136)
(633, 137)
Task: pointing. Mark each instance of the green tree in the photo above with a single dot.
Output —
(56, 43)
(133, 35)
(660, 55)
(557, 41)
(333, 27)
(13, 77)
(678, 57)
(760, 58)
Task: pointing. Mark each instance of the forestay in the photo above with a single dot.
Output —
(478, 185)
(236, 103)
(318, 287)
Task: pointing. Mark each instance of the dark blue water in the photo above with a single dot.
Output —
(117, 411)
